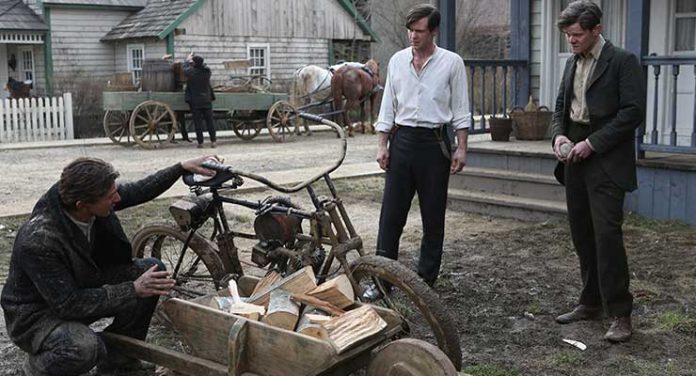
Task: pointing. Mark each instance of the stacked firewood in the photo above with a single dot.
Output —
(327, 311)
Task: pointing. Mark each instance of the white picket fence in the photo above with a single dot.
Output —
(36, 119)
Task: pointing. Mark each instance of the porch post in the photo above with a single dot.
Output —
(446, 36)
(637, 36)
(519, 48)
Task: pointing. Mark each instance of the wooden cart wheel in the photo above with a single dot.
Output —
(246, 124)
(410, 357)
(282, 122)
(152, 123)
(116, 127)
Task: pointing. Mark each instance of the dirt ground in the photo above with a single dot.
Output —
(505, 280)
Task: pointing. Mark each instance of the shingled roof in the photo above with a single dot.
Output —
(15, 15)
(105, 3)
(151, 21)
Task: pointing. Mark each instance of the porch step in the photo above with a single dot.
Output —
(502, 205)
(506, 182)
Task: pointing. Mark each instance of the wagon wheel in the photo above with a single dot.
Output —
(422, 313)
(282, 121)
(246, 124)
(410, 357)
(116, 127)
(152, 123)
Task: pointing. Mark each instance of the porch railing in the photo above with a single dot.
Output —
(495, 85)
(36, 119)
(661, 130)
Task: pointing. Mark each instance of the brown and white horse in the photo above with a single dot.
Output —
(358, 86)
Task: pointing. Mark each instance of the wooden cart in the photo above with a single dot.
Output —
(150, 118)
(225, 344)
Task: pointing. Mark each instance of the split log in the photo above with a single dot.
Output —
(269, 279)
(301, 281)
(310, 323)
(337, 291)
(317, 303)
(282, 312)
(353, 327)
(236, 306)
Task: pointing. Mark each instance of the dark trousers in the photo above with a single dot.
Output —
(201, 115)
(416, 165)
(595, 213)
(73, 348)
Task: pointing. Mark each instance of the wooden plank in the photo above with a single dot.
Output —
(236, 345)
(207, 332)
(354, 327)
(174, 360)
(661, 192)
(677, 194)
(646, 177)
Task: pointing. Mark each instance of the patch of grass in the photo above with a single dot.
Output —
(636, 220)
(534, 308)
(566, 359)
(677, 322)
(489, 370)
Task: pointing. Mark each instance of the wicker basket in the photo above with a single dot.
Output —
(531, 125)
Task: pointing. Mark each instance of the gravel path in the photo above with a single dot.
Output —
(28, 173)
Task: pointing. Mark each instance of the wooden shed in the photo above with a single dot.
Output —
(97, 38)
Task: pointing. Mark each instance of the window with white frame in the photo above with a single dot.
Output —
(26, 64)
(685, 26)
(135, 56)
(258, 55)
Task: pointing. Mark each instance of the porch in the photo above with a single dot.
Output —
(665, 144)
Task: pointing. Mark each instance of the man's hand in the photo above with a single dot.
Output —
(560, 140)
(194, 165)
(579, 152)
(153, 283)
(383, 151)
(383, 157)
(458, 160)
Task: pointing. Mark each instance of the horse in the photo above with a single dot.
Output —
(18, 89)
(357, 85)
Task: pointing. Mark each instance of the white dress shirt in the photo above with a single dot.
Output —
(435, 97)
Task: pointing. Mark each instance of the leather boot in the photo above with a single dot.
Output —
(620, 330)
(580, 313)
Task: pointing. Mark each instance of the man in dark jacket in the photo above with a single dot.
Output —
(200, 97)
(71, 265)
(600, 103)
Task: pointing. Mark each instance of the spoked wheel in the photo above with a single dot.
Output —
(246, 124)
(197, 268)
(282, 122)
(116, 127)
(152, 123)
(423, 314)
(410, 357)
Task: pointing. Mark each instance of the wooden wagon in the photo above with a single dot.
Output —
(222, 343)
(151, 118)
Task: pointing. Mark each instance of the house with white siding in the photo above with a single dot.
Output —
(98, 38)
(22, 35)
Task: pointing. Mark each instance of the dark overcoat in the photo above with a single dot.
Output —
(55, 275)
(616, 101)
(199, 94)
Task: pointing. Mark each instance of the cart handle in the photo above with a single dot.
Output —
(212, 165)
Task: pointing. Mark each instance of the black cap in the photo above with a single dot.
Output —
(197, 61)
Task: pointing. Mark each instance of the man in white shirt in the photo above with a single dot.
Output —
(425, 91)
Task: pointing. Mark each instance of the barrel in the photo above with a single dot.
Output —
(157, 75)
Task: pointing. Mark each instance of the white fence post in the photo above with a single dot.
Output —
(69, 116)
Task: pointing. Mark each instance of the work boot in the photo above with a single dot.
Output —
(580, 313)
(620, 330)
(212, 145)
(199, 146)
